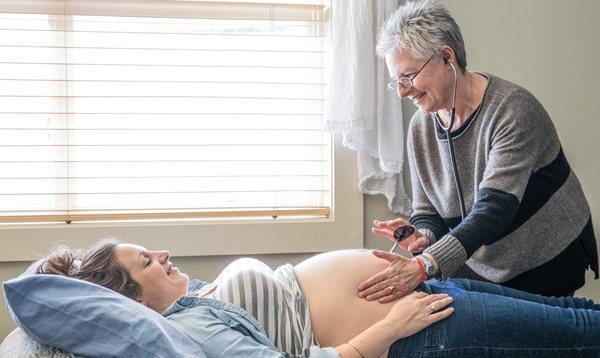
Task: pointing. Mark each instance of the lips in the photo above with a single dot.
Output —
(170, 269)
(418, 97)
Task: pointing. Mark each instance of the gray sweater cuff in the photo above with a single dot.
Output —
(449, 254)
(430, 235)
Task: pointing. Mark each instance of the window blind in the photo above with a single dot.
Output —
(162, 109)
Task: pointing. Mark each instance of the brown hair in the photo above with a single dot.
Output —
(97, 264)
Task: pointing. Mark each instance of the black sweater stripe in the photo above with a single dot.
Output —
(540, 188)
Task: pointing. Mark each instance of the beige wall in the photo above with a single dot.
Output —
(550, 47)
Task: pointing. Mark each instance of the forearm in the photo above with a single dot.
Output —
(432, 226)
(488, 220)
(372, 342)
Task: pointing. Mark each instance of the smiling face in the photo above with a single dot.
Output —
(161, 283)
(432, 88)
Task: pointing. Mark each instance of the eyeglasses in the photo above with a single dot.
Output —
(406, 82)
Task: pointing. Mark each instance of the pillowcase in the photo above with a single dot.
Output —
(89, 320)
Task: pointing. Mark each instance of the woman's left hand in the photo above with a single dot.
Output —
(416, 311)
(401, 277)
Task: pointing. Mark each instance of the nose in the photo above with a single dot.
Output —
(163, 256)
(402, 91)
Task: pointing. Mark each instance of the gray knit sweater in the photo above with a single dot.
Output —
(524, 203)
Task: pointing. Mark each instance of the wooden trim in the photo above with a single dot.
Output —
(69, 218)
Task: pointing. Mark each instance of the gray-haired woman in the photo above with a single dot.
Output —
(528, 224)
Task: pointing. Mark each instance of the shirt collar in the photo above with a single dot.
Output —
(185, 301)
(195, 285)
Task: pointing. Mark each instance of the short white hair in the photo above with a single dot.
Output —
(421, 27)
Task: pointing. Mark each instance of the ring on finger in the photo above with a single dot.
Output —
(391, 289)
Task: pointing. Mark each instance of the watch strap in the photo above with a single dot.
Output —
(422, 271)
(430, 270)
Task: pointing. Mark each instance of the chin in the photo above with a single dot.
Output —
(180, 276)
(426, 107)
(423, 105)
(182, 282)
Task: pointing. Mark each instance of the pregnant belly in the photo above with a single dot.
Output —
(330, 282)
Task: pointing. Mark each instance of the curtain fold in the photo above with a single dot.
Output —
(359, 105)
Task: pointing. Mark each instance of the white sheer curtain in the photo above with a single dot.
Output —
(358, 104)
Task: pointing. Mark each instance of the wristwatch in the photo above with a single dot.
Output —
(430, 269)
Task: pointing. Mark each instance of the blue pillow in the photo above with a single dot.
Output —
(89, 320)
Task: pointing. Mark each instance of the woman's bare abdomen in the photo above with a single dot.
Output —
(330, 282)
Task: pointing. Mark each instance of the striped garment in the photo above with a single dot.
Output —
(274, 298)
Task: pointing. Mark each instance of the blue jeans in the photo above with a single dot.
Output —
(490, 320)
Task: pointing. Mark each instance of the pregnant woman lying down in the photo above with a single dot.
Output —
(313, 309)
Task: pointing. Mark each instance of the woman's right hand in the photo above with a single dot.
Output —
(416, 242)
(416, 311)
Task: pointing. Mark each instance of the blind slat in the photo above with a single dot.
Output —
(155, 121)
(265, 168)
(162, 41)
(168, 9)
(275, 73)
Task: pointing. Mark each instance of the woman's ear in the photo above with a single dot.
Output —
(447, 54)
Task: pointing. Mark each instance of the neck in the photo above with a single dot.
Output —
(466, 102)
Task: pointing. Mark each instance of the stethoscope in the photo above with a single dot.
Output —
(459, 191)
(405, 231)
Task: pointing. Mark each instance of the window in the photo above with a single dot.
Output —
(113, 110)
(140, 109)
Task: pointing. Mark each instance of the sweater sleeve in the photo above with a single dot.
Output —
(511, 162)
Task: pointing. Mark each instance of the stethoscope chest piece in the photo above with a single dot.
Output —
(403, 232)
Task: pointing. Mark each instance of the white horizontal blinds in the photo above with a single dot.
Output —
(159, 109)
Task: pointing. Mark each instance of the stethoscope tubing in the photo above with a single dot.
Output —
(457, 183)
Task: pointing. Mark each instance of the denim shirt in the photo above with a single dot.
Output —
(225, 330)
